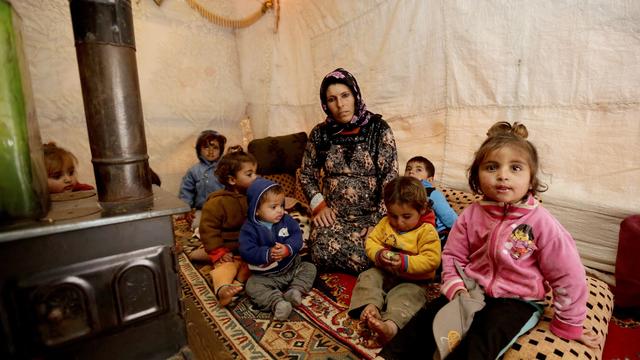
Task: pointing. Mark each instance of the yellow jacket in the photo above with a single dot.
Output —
(419, 248)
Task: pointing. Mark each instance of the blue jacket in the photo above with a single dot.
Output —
(445, 216)
(200, 180)
(257, 239)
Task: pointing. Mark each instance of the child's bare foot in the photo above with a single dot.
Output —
(370, 311)
(199, 254)
(386, 329)
(226, 294)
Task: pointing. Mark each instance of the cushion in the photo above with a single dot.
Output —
(279, 154)
(288, 182)
(541, 343)
(459, 199)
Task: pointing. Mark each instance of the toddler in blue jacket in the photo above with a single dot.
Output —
(270, 241)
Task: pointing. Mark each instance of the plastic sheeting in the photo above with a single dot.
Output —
(440, 72)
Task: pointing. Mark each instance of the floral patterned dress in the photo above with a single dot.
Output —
(354, 168)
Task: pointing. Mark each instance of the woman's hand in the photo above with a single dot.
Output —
(589, 338)
(325, 217)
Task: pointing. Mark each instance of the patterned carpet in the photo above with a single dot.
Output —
(320, 327)
(250, 334)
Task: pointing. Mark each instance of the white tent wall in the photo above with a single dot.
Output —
(440, 72)
(188, 74)
(277, 72)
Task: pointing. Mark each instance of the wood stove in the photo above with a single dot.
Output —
(97, 278)
(99, 286)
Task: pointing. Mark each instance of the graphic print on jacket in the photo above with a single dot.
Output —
(521, 242)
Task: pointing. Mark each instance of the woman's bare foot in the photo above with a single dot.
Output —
(226, 294)
(370, 311)
(386, 329)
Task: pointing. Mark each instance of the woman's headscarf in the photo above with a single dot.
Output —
(361, 115)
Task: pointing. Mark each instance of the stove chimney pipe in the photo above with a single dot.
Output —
(105, 48)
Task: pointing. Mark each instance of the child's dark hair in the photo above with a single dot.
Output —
(231, 163)
(503, 134)
(428, 165)
(211, 135)
(276, 189)
(406, 190)
(55, 157)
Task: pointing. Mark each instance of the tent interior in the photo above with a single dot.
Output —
(440, 73)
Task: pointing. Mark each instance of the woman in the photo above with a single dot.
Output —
(354, 152)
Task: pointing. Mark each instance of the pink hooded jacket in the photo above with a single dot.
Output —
(518, 251)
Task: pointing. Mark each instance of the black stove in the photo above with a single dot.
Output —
(86, 284)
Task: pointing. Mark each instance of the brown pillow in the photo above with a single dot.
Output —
(279, 154)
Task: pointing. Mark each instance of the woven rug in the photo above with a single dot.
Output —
(318, 329)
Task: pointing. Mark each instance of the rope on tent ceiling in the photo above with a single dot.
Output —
(236, 24)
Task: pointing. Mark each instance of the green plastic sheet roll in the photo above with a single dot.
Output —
(23, 179)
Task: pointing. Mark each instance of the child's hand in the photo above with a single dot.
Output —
(228, 257)
(278, 252)
(396, 265)
(390, 260)
(461, 292)
(589, 338)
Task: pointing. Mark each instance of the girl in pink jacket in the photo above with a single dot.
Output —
(514, 249)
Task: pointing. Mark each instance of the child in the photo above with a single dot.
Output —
(406, 250)
(422, 169)
(514, 249)
(222, 217)
(270, 241)
(61, 170)
(200, 179)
